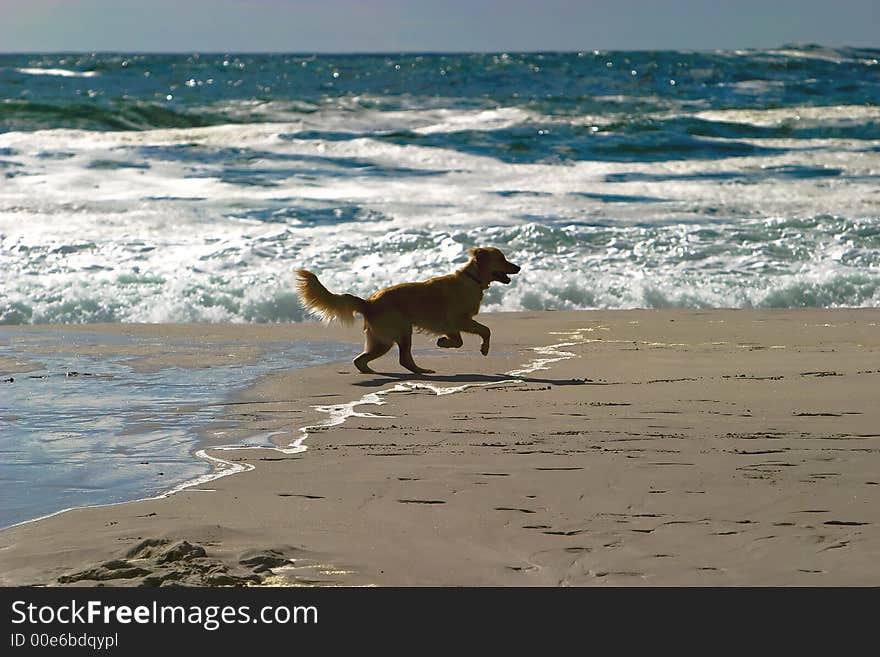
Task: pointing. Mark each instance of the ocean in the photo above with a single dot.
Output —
(179, 188)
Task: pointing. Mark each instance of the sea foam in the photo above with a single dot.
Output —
(609, 191)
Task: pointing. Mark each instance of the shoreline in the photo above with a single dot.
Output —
(308, 545)
(221, 467)
(128, 367)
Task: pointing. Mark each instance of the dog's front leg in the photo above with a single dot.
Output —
(483, 331)
(404, 344)
(450, 341)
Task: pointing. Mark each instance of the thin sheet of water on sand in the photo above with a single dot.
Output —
(91, 425)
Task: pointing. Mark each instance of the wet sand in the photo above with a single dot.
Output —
(692, 447)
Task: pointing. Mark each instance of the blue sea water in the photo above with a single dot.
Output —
(170, 188)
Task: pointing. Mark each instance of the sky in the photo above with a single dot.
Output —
(351, 26)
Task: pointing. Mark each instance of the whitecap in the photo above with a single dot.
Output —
(778, 116)
(59, 72)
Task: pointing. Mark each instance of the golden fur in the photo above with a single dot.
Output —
(443, 306)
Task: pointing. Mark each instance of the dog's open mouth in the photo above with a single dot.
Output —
(501, 277)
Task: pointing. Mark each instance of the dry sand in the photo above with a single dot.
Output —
(646, 448)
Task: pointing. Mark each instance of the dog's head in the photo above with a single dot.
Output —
(492, 265)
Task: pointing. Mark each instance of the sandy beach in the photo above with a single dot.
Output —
(647, 448)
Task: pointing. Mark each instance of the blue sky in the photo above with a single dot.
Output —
(420, 25)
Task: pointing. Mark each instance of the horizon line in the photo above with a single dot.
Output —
(312, 53)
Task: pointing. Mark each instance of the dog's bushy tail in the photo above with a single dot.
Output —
(322, 303)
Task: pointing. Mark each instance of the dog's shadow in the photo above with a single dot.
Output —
(385, 377)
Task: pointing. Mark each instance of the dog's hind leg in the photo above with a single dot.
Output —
(373, 348)
(404, 344)
(470, 326)
(452, 340)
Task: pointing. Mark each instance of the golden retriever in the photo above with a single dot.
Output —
(443, 306)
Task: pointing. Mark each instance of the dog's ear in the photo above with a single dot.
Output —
(480, 256)
(477, 253)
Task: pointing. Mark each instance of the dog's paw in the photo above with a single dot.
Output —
(448, 343)
(363, 368)
(484, 349)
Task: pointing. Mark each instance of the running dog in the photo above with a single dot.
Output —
(443, 306)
